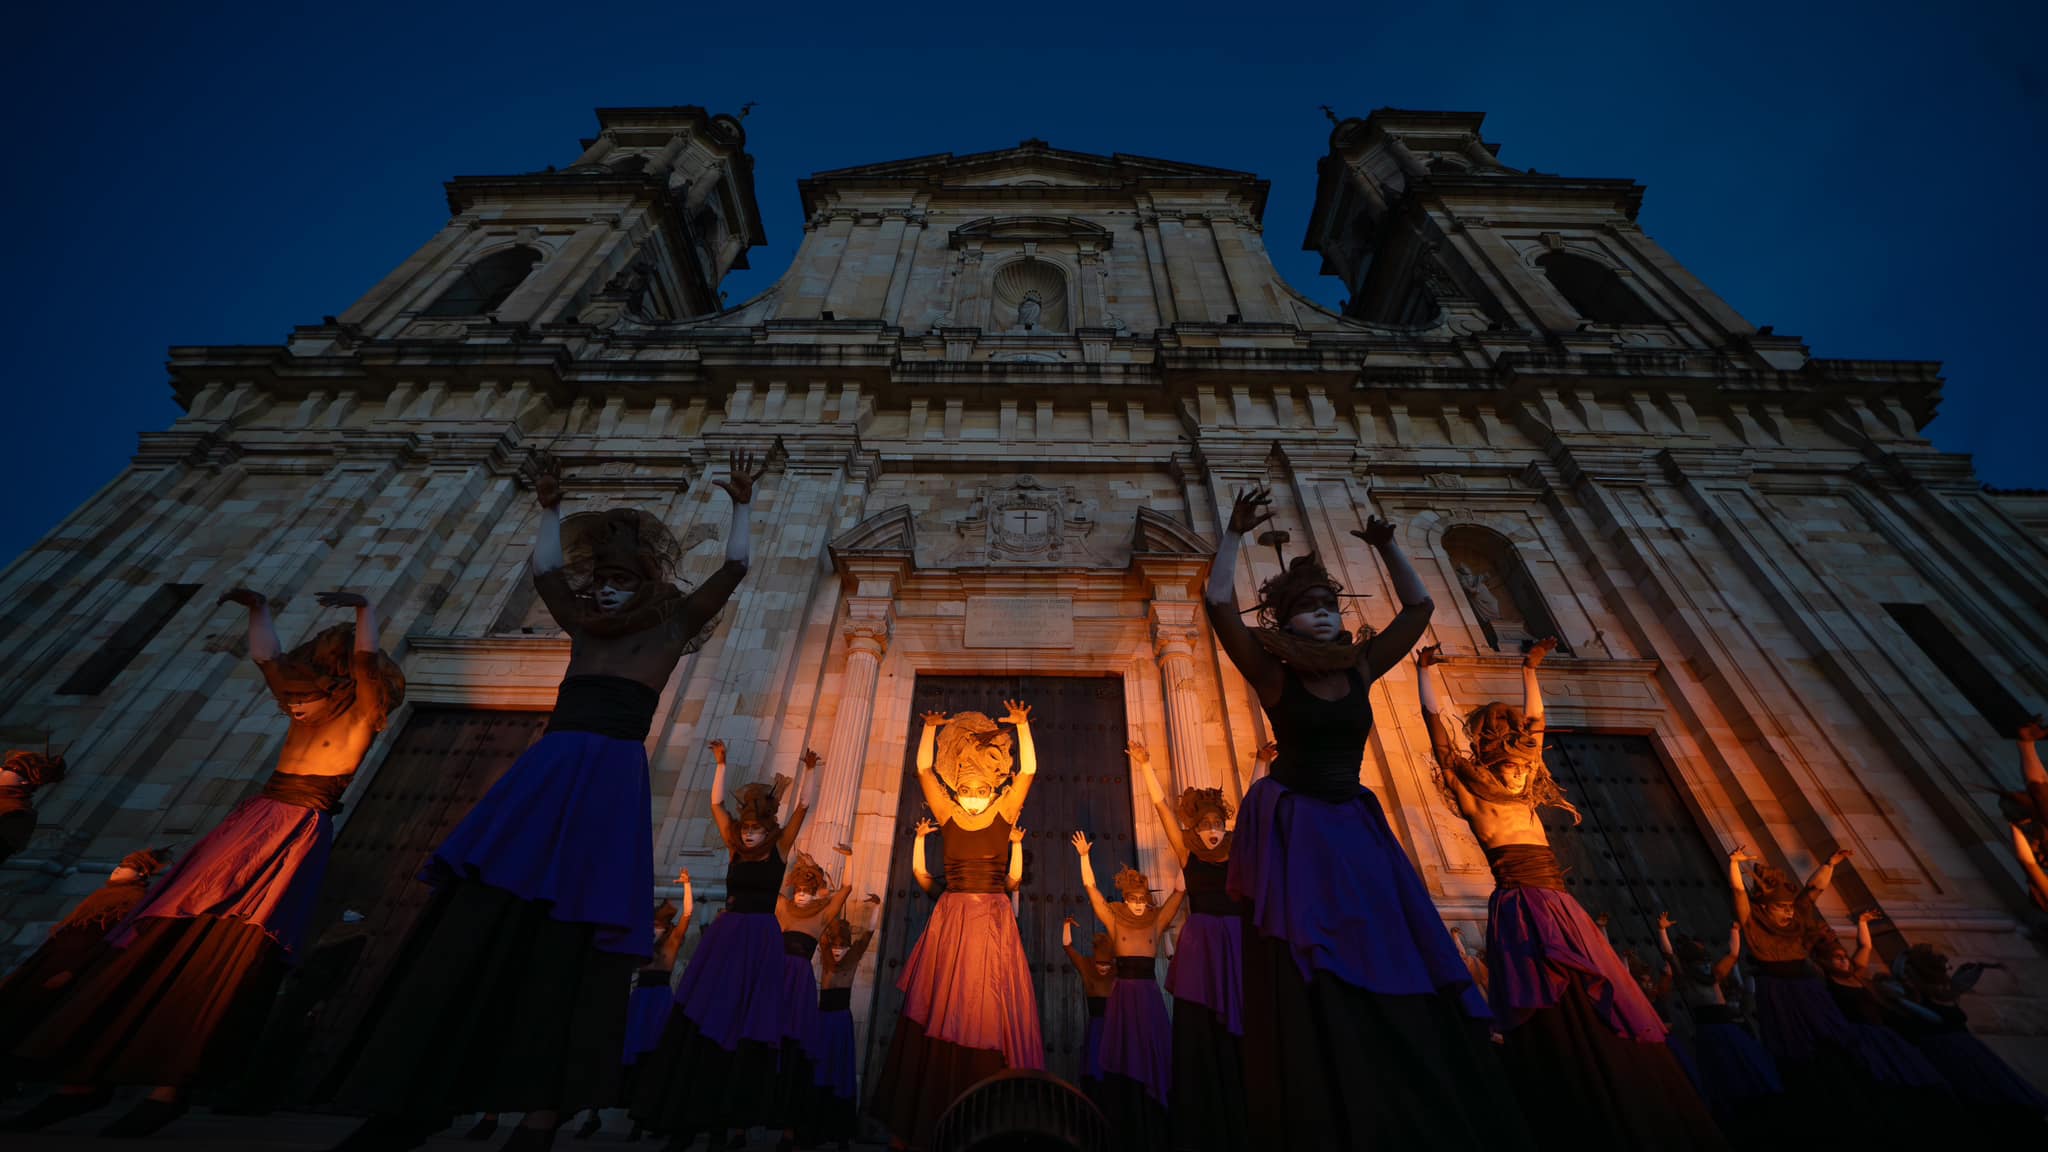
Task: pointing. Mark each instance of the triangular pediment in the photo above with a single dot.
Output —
(1033, 163)
(1158, 534)
(889, 531)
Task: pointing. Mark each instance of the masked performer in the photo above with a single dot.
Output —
(1914, 1101)
(505, 998)
(1735, 1074)
(1346, 959)
(20, 775)
(716, 1066)
(648, 1009)
(1098, 979)
(2028, 812)
(1137, 1039)
(1999, 1099)
(840, 949)
(1797, 1019)
(76, 943)
(1206, 976)
(932, 886)
(199, 961)
(968, 1006)
(1584, 1044)
(808, 904)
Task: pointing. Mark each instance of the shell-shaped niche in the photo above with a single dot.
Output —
(1030, 296)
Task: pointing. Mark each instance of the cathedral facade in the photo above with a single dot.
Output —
(1006, 399)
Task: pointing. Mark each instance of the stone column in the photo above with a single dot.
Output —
(1173, 642)
(867, 637)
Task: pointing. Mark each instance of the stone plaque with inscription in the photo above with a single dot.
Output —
(1020, 622)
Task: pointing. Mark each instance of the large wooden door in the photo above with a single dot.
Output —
(1083, 783)
(1639, 850)
(442, 764)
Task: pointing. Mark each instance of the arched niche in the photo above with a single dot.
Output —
(1498, 590)
(486, 284)
(1594, 290)
(1030, 296)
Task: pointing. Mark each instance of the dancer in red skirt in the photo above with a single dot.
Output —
(968, 1006)
(34, 989)
(1137, 1039)
(199, 961)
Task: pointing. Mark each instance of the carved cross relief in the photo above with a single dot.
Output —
(1025, 521)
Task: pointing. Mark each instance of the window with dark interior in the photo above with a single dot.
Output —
(1978, 684)
(484, 285)
(1594, 290)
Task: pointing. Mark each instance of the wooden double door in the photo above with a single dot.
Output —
(1083, 782)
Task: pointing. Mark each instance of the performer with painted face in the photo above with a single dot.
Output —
(718, 1061)
(648, 1009)
(1137, 1039)
(2027, 810)
(1797, 1018)
(199, 960)
(808, 904)
(1738, 1078)
(1346, 959)
(835, 1112)
(1585, 1046)
(75, 944)
(555, 865)
(1206, 975)
(2000, 1100)
(20, 775)
(968, 1006)
(1914, 1101)
(1098, 979)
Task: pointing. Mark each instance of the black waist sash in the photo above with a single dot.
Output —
(1525, 866)
(1135, 967)
(606, 706)
(1098, 1006)
(1706, 1015)
(835, 999)
(1785, 969)
(745, 900)
(319, 793)
(799, 944)
(977, 875)
(16, 798)
(652, 978)
(1215, 904)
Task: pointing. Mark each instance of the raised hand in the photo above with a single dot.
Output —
(547, 479)
(925, 827)
(718, 750)
(243, 596)
(740, 483)
(1019, 712)
(1665, 922)
(1377, 532)
(340, 599)
(1081, 843)
(1869, 914)
(934, 719)
(682, 875)
(1537, 651)
(1017, 834)
(1839, 855)
(1138, 755)
(1252, 508)
(809, 759)
(871, 898)
(1268, 752)
(1429, 656)
(1741, 856)
(2033, 730)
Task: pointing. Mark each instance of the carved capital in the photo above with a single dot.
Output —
(868, 621)
(1173, 628)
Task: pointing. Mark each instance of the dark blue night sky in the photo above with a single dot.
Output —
(1866, 176)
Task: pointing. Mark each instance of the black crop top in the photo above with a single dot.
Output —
(1322, 742)
(752, 885)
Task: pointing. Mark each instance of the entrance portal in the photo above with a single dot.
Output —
(1078, 727)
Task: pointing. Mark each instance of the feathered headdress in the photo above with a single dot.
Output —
(323, 669)
(147, 862)
(806, 876)
(1196, 803)
(1773, 886)
(1131, 882)
(34, 768)
(760, 803)
(966, 732)
(1277, 598)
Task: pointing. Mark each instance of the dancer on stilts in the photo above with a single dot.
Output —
(1097, 971)
(1584, 1045)
(505, 997)
(199, 960)
(846, 940)
(1361, 1024)
(1738, 1078)
(968, 1006)
(20, 775)
(1137, 1038)
(717, 1066)
(1206, 976)
(76, 943)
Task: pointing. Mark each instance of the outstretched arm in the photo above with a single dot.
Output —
(1012, 803)
(806, 794)
(1074, 956)
(1532, 688)
(1252, 508)
(263, 645)
(2037, 877)
(1864, 948)
(1170, 907)
(1016, 877)
(363, 667)
(1726, 964)
(547, 490)
(918, 871)
(707, 598)
(1825, 874)
(1401, 634)
(1736, 888)
(1445, 739)
(837, 903)
(1169, 820)
(935, 795)
(727, 831)
(1095, 900)
(1664, 923)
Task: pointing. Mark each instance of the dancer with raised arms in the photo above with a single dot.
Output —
(1137, 1039)
(1738, 1078)
(846, 939)
(1361, 1023)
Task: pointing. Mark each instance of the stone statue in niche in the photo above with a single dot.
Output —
(1493, 619)
(1028, 310)
(1505, 602)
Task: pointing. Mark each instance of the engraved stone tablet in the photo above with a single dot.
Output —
(1020, 622)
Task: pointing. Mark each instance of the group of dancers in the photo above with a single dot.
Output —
(1318, 1001)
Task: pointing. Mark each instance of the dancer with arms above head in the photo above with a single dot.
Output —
(1361, 1023)
(20, 775)
(968, 1006)
(1137, 1039)
(1738, 1078)
(199, 960)
(1097, 971)
(1913, 1102)
(807, 905)
(505, 997)
(1999, 1099)
(717, 1064)
(834, 1114)
(2027, 810)
(1206, 976)
(1584, 1045)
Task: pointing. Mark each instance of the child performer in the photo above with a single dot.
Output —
(648, 1009)
(1346, 958)
(1584, 1045)
(1137, 1040)
(968, 1006)
(554, 867)
(184, 1000)
(840, 950)
(716, 1066)
(1098, 979)
(1206, 976)
(808, 904)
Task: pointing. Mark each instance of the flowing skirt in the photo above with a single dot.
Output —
(968, 1012)
(25, 1002)
(646, 1015)
(263, 864)
(1539, 942)
(1362, 1025)
(1207, 1109)
(1137, 1065)
(1208, 967)
(1981, 1079)
(716, 1065)
(802, 1045)
(833, 1117)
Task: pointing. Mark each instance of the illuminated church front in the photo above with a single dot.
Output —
(1006, 398)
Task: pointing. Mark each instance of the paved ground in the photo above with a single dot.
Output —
(296, 1132)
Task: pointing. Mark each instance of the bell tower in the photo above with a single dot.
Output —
(642, 227)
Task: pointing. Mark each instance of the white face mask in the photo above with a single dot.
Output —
(610, 598)
(839, 954)
(1209, 835)
(804, 899)
(1137, 907)
(752, 837)
(974, 805)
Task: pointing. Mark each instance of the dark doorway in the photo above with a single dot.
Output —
(442, 764)
(1639, 851)
(1083, 782)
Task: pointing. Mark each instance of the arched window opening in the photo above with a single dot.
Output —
(486, 284)
(1503, 598)
(1594, 290)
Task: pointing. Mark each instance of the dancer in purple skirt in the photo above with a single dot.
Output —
(1362, 1027)
(1797, 1019)
(20, 775)
(505, 996)
(1137, 1038)
(1206, 976)
(199, 961)
(1738, 1078)
(718, 1063)
(1097, 971)
(840, 949)
(1584, 1045)
(2000, 1100)
(1914, 1101)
